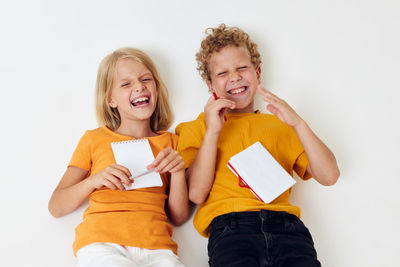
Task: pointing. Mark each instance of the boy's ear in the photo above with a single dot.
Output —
(209, 85)
(258, 72)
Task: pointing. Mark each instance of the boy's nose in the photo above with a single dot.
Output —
(234, 76)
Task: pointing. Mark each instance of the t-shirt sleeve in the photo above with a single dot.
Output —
(189, 142)
(297, 155)
(82, 155)
(300, 166)
(174, 141)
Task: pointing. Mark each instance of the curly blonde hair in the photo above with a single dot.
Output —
(162, 116)
(220, 37)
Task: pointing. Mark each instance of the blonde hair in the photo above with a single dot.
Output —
(162, 116)
(220, 37)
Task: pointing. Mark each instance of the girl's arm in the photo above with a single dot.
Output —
(201, 173)
(169, 160)
(323, 166)
(178, 200)
(70, 193)
(74, 187)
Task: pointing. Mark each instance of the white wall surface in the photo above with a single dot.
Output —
(336, 62)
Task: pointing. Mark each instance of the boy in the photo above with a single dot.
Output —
(242, 230)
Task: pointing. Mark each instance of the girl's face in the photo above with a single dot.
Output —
(234, 77)
(134, 91)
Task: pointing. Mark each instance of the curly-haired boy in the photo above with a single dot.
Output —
(242, 230)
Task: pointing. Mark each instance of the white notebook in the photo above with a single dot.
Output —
(136, 155)
(257, 169)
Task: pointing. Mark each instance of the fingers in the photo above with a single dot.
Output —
(210, 100)
(272, 109)
(168, 160)
(220, 103)
(217, 108)
(276, 104)
(112, 182)
(160, 157)
(174, 165)
(121, 173)
(224, 103)
(280, 108)
(112, 177)
(268, 96)
(178, 167)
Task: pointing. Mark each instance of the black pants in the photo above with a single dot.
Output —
(264, 238)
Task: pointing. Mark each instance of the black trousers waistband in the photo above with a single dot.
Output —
(255, 217)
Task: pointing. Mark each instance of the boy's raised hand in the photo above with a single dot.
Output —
(214, 112)
(168, 160)
(280, 108)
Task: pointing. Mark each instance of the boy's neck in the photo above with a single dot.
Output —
(248, 109)
(136, 130)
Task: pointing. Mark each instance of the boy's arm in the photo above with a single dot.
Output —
(201, 173)
(323, 166)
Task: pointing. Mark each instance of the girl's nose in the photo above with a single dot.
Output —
(139, 88)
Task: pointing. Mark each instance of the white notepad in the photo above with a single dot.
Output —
(257, 169)
(136, 155)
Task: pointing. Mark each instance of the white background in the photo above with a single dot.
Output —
(336, 62)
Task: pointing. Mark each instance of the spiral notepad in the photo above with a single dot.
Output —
(136, 155)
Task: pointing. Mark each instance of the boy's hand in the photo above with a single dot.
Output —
(214, 112)
(168, 160)
(280, 108)
(111, 177)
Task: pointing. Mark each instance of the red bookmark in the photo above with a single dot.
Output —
(216, 97)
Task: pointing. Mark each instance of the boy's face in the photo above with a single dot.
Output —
(234, 77)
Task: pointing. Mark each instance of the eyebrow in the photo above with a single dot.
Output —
(147, 73)
(123, 80)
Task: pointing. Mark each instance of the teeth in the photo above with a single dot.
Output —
(237, 91)
(142, 99)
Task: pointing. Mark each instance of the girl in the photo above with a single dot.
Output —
(120, 227)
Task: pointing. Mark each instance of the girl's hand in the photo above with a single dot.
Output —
(214, 112)
(280, 108)
(112, 177)
(168, 160)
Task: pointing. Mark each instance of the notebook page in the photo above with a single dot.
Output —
(136, 155)
(258, 168)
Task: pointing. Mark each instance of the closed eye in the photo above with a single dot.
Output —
(242, 67)
(221, 73)
(125, 85)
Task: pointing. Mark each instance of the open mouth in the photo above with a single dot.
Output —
(140, 101)
(238, 90)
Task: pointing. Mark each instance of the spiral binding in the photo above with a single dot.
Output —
(140, 140)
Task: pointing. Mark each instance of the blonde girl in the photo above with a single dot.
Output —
(125, 227)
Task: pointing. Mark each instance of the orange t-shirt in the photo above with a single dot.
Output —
(239, 132)
(134, 218)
